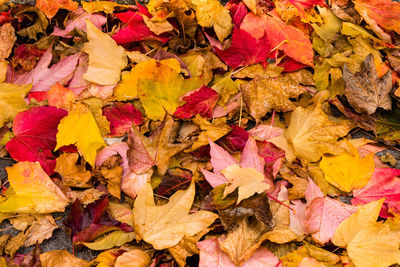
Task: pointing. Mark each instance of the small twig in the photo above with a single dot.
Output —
(280, 202)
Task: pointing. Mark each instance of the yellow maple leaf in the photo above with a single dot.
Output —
(211, 13)
(79, 127)
(32, 191)
(101, 6)
(12, 100)
(164, 226)
(348, 171)
(311, 133)
(368, 242)
(106, 58)
(248, 180)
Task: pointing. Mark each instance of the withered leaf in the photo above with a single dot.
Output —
(365, 91)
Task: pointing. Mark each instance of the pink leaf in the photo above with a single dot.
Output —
(115, 149)
(42, 77)
(121, 117)
(235, 139)
(138, 157)
(214, 179)
(35, 136)
(220, 158)
(298, 217)
(312, 191)
(266, 132)
(250, 157)
(383, 183)
(272, 155)
(323, 217)
(201, 101)
(132, 183)
(78, 20)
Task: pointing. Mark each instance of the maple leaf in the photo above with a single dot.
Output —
(77, 19)
(12, 100)
(238, 11)
(42, 77)
(80, 128)
(32, 191)
(35, 136)
(58, 258)
(348, 171)
(156, 150)
(385, 13)
(201, 101)
(136, 30)
(363, 237)
(122, 117)
(211, 13)
(312, 134)
(86, 224)
(244, 49)
(50, 7)
(383, 184)
(106, 58)
(164, 226)
(365, 91)
(262, 95)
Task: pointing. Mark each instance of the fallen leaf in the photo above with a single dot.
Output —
(72, 173)
(40, 230)
(35, 136)
(12, 100)
(348, 171)
(365, 91)
(175, 179)
(114, 239)
(101, 6)
(61, 258)
(50, 8)
(122, 117)
(32, 191)
(14, 244)
(106, 58)
(80, 128)
(137, 257)
(7, 40)
(164, 226)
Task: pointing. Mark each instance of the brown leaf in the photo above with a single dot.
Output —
(365, 91)
(3, 242)
(40, 230)
(7, 40)
(61, 258)
(14, 244)
(72, 173)
(262, 95)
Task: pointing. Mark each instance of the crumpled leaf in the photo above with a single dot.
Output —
(35, 136)
(135, 256)
(42, 228)
(32, 191)
(106, 58)
(50, 7)
(80, 128)
(363, 237)
(12, 100)
(295, 258)
(7, 40)
(164, 226)
(122, 117)
(101, 6)
(365, 91)
(262, 95)
(312, 133)
(61, 258)
(348, 171)
(211, 13)
(72, 173)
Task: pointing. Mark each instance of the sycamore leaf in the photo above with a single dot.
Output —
(164, 226)
(211, 13)
(61, 258)
(32, 191)
(383, 184)
(312, 133)
(12, 100)
(365, 91)
(348, 171)
(106, 58)
(50, 7)
(368, 243)
(262, 95)
(248, 180)
(80, 128)
(72, 173)
(35, 136)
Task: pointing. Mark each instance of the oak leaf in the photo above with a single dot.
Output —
(164, 226)
(79, 128)
(32, 191)
(365, 91)
(106, 58)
